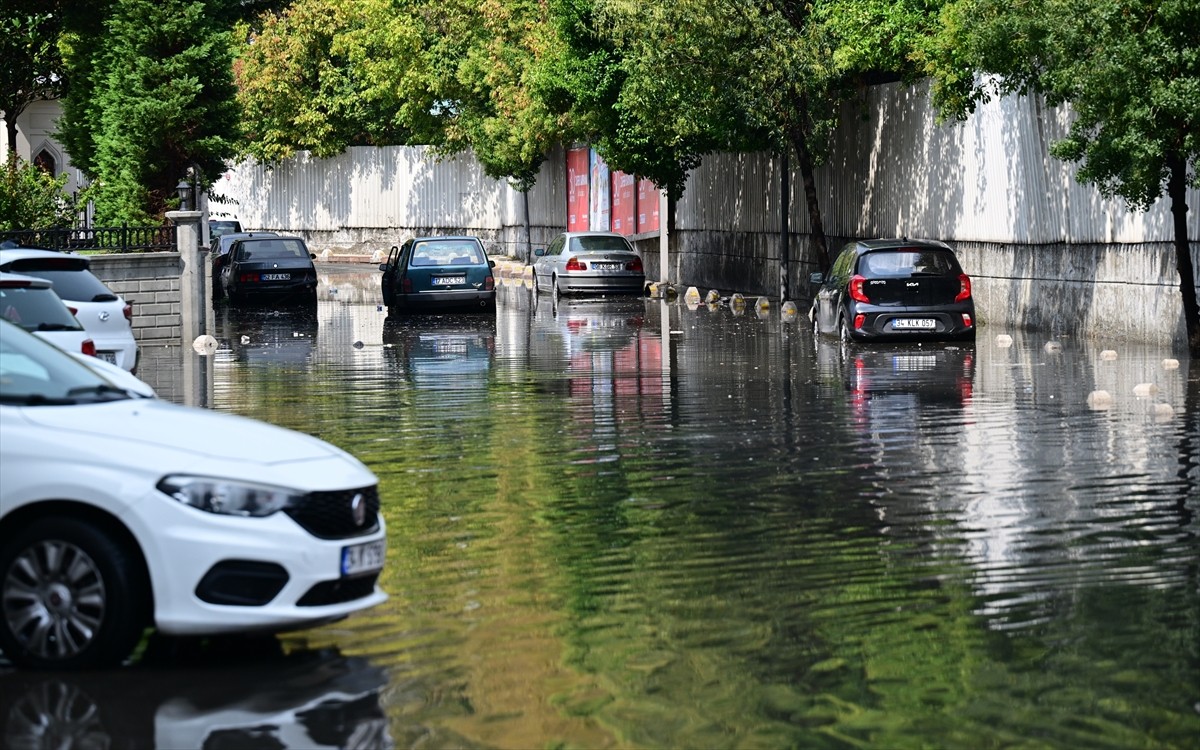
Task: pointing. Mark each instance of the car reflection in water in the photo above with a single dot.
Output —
(882, 380)
(594, 324)
(442, 352)
(267, 336)
(229, 693)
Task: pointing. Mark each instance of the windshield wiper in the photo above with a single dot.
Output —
(57, 327)
(34, 399)
(103, 390)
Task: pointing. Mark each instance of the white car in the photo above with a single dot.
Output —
(106, 317)
(121, 513)
(31, 303)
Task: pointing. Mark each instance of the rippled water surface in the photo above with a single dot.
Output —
(630, 523)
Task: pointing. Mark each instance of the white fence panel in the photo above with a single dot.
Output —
(383, 188)
(894, 170)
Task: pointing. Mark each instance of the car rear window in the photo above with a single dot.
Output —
(907, 262)
(598, 244)
(218, 228)
(35, 308)
(447, 253)
(75, 285)
(284, 249)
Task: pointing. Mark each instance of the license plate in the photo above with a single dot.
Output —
(606, 266)
(109, 357)
(921, 323)
(275, 276)
(363, 558)
(449, 280)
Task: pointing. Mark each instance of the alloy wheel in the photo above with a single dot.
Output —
(54, 599)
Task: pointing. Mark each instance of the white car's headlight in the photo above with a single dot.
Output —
(228, 497)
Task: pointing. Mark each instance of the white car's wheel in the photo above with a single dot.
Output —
(70, 597)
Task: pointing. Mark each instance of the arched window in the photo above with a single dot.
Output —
(46, 161)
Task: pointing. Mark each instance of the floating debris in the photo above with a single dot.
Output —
(692, 295)
(1052, 347)
(1004, 341)
(1099, 400)
(1170, 364)
(1108, 355)
(205, 345)
(1145, 390)
(712, 296)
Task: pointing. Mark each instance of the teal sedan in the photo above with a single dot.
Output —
(438, 273)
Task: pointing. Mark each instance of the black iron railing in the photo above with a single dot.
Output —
(122, 239)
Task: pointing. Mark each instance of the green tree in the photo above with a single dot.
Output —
(1130, 70)
(695, 76)
(486, 59)
(32, 68)
(324, 75)
(150, 95)
(30, 198)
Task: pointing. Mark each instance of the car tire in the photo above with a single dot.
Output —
(844, 336)
(218, 292)
(71, 596)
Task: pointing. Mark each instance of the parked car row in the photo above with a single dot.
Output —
(454, 272)
(104, 316)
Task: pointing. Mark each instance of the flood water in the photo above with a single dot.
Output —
(632, 523)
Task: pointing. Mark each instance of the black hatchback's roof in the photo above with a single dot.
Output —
(900, 243)
(897, 243)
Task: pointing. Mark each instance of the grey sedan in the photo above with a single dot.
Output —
(589, 263)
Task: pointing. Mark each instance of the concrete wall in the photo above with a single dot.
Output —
(151, 282)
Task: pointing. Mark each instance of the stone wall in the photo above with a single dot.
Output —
(151, 282)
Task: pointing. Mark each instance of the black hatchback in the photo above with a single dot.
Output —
(261, 268)
(894, 289)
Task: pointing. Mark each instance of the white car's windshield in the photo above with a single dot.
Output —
(35, 373)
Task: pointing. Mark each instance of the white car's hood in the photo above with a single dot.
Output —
(161, 425)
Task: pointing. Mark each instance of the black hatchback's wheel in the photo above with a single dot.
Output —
(70, 597)
(844, 332)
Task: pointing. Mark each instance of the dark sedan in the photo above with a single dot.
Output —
(438, 273)
(277, 269)
(894, 289)
(220, 256)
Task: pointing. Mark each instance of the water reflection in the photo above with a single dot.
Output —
(624, 522)
(267, 336)
(442, 352)
(222, 694)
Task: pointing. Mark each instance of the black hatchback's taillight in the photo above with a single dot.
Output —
(964, 288)
(856, 288)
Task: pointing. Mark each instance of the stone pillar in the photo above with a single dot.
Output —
(664, 255)
(193, 308)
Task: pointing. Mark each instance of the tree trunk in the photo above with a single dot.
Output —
(10, 124)
(816, 226)
(1177, 190)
